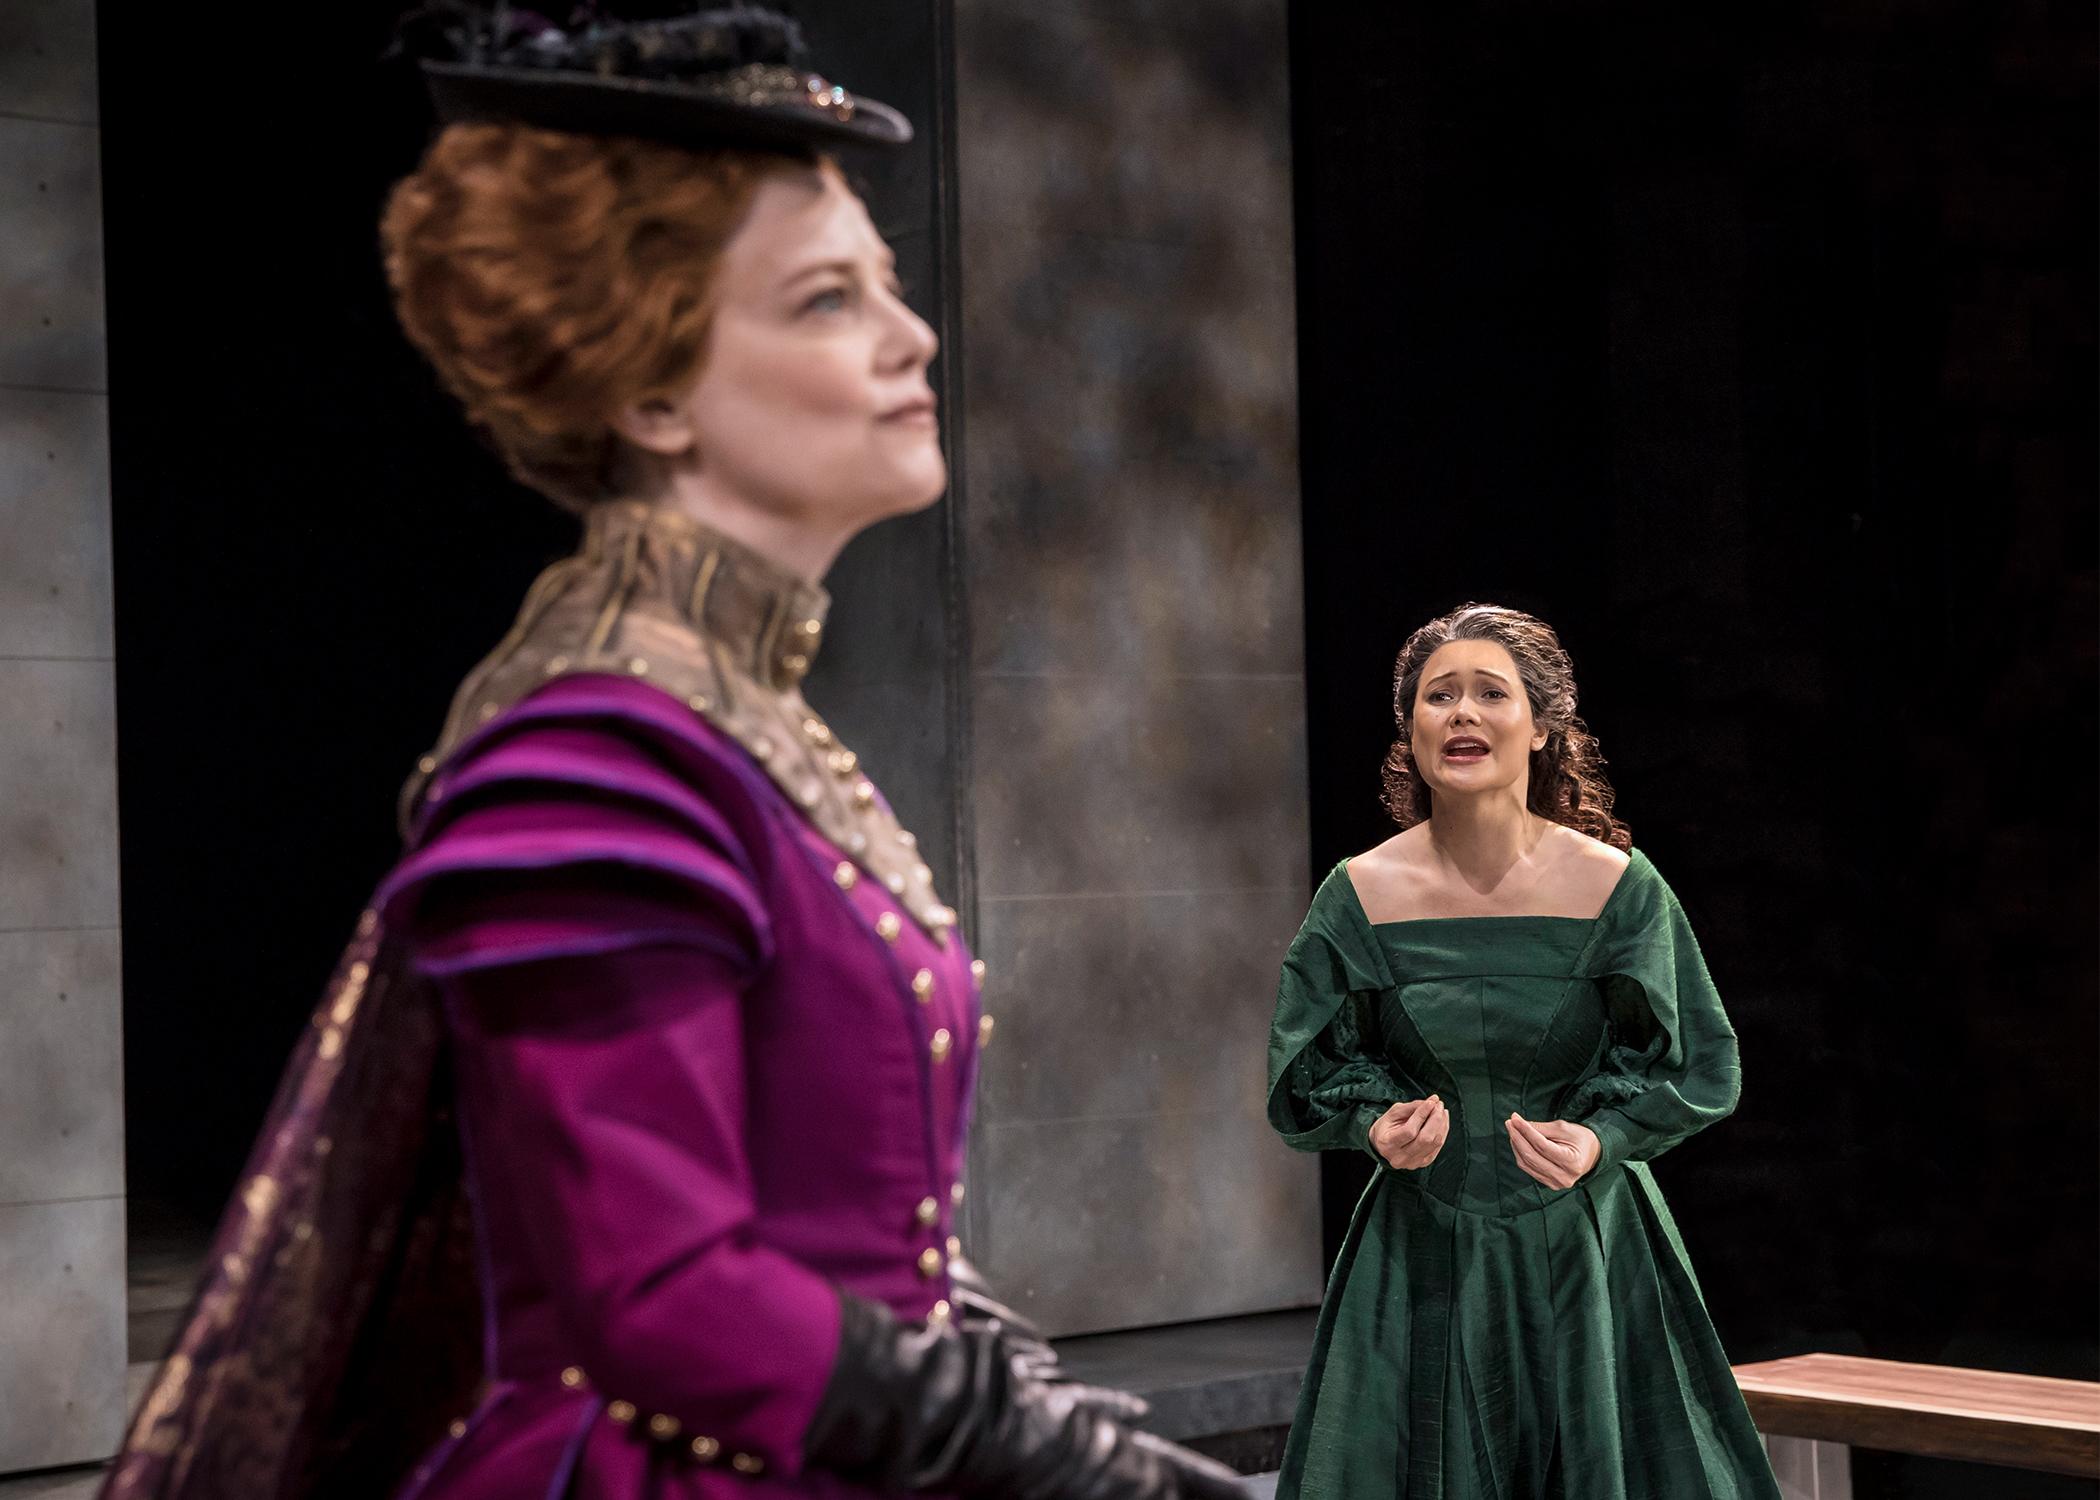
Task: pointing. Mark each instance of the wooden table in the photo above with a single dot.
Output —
(1813, 1409)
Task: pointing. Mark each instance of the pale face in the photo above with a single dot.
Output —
(1472, 729)
(812, 406)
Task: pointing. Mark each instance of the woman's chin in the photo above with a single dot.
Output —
(925, 485)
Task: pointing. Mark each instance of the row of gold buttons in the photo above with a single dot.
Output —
(666, 1429)
(928, 1213)
(887, 927)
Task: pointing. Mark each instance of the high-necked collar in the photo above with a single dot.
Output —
(766, 619)
(659, 597)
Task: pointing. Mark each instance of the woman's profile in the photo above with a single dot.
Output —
(623, 1157)
(1505, 1006)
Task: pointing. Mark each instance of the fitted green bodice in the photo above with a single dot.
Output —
(1488, 1014)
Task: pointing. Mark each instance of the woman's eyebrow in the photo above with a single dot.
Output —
(846, 267)
(1481, 671)
(841, 265)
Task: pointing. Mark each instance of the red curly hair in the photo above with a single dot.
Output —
(1567, 782)
(553, 279)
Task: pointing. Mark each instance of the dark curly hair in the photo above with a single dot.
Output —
(1567, 773)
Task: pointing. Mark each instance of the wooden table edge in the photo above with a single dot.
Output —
(2005, 1441)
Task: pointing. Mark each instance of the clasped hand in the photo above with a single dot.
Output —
(1555, 1152)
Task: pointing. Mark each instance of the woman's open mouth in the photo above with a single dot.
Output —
(1465, 748)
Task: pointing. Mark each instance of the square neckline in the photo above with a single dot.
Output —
(1364, 916)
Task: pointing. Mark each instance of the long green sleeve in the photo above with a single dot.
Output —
(1329, 1077)
(1670, 1066)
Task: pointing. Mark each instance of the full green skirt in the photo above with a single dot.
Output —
(1563, 1352)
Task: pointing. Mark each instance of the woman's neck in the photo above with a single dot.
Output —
(795, 543)
(1481, 838)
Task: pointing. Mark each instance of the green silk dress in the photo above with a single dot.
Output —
(1485, 1337)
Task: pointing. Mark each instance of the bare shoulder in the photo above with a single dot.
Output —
(1390, 877)
(1584, 871)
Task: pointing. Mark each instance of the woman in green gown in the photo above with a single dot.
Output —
(1505, 1006)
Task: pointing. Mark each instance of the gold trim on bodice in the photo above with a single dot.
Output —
(657, 596)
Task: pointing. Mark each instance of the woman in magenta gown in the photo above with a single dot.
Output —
(623, 1155)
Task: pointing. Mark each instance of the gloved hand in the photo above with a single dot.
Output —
(912, 1407)
(977, 1308)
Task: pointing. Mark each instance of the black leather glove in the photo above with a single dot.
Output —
(912, 1407)
(977, 1308)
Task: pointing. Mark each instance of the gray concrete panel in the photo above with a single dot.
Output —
(1091, 785)
(1109, 1006)
(61, 1066)
(62, 1332)
(47, 60)
(1098, 122)
(58, 796)
(1090, 1225)
(52, 328)
(54, 512)
(1144, 567)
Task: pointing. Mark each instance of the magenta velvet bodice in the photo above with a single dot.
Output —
(708, 1072)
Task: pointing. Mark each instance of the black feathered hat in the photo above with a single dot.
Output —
(733, 75)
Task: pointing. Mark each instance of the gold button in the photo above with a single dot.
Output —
(930, 1262)
(367, 922)
(942, 1041)
(955, 1195)
(572, 1377)
(928, 1211)
(556, 665)
(845, 876)
(639, 667)
(812, 627)
(977, 971)
(939, 1312)
(621, 1412)
(663, 1428)
(458, 1429)
(858, 843)
(887, 927)
(984, 1030)
(762, 748)
(809, 794)
(489, 711)
(954, 1245)
(705, 1448)
(922, 985)
(795, 665)
(747, 1463)
(699, 703)
(942, 916)
(427, 764)
(844, 762)
(819, 733)
(864, 793)
(895, 882)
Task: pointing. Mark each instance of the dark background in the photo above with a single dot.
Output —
(1753, 346)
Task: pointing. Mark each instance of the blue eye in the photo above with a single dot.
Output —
(832, 299)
